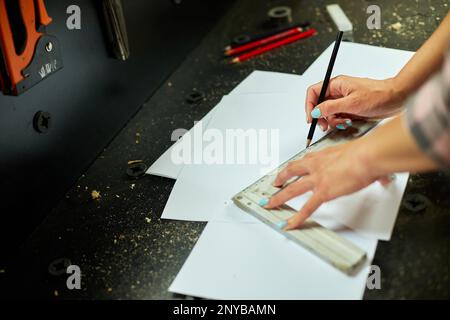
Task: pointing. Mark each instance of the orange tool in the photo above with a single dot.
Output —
(29, 55)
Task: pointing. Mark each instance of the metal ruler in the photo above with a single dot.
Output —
(323, 242)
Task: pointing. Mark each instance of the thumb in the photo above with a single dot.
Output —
(332, 106)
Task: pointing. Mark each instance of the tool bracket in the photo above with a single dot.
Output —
(39, 56)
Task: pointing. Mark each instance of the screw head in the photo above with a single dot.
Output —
(239, 39)
(195, 97)
(415, 202)
(136, 170)
(59, 266)
(42, 121)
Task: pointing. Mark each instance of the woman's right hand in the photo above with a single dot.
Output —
(350, 98)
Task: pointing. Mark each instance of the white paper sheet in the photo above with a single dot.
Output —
(164, 166)
(202, 190)
(252, 261)
(256, 82)
(359, 60)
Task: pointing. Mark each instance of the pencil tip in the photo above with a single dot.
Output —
(227, 48)
(235, 60)
(308, 143)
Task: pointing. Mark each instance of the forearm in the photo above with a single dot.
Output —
(391, 148)
(425, 61)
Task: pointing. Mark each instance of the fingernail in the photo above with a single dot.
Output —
(316, 113)
(263, 202)
(348, 122)
(282, 224)
(340, 127)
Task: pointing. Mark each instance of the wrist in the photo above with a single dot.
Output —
(399, 90)
(368, 158)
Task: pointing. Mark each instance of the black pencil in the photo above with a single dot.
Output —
(326, 81)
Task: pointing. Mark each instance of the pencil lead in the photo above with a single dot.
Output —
(308, 142)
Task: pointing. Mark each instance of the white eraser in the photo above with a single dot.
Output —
(339, 18)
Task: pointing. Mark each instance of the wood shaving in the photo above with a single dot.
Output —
(95, 195)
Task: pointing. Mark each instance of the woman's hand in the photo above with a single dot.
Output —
(347, 168)
(350, 98)
(330, 173)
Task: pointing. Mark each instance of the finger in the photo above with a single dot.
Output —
(331, 120)
(293, 169)
(312, 95)
(331, 107)
(336, 89)
(308, 209)
(291, 191)
(323, 124)
(334, 120)
(340, 123)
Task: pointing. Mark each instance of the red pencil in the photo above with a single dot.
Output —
(274, 45)
(260, 42)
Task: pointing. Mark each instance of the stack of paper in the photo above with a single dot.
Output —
(238, 257)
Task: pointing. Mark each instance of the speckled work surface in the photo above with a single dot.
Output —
(125, 250)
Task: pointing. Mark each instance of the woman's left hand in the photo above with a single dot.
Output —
(329, 173)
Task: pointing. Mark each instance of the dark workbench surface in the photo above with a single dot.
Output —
(125, 250)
